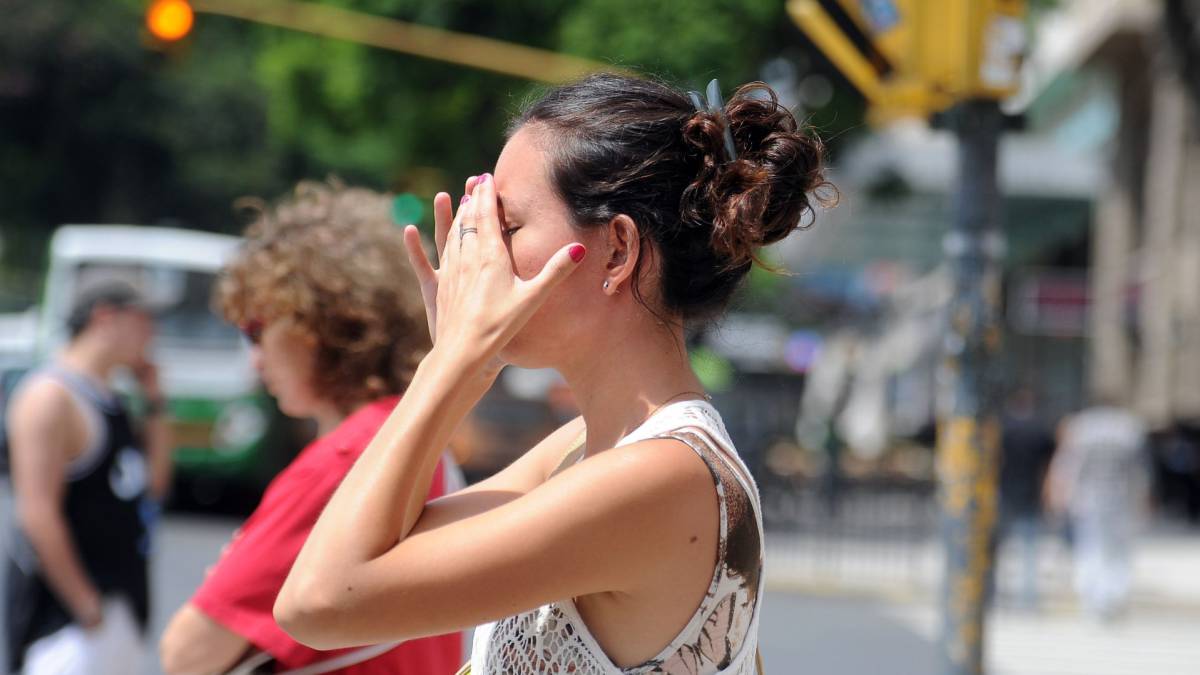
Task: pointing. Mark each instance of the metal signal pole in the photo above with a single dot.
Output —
(969, 426)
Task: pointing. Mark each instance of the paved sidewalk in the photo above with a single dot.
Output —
(1154, 642)
(1166, 569)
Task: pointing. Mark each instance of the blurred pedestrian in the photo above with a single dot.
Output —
(621, 211)
(1099, 479)
(1027, 445)
(1179, 471)
(85, 481)
(336, 326)
(819, 425)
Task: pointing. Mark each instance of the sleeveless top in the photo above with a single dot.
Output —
(722, 636)
(105, 491)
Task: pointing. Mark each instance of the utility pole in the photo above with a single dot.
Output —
(969, 426)
(956, 58)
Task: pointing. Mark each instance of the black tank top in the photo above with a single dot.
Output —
(103, 506)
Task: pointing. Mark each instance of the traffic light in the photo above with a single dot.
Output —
(919, 56)
(970, 48)
(169, 20)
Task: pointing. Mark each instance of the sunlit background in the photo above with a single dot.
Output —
(827, 374)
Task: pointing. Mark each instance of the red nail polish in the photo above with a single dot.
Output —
(464, 200)
(577, 252)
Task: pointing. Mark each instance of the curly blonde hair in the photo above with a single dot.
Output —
(328, 258)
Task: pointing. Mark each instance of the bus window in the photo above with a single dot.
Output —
(187, 319)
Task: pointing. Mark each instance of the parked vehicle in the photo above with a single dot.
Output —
(228, 432)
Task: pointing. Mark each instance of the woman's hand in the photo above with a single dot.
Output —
(479, 301)
(444, 219)
(427, 276)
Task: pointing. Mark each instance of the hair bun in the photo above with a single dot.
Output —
(622, 145)
(763, 195)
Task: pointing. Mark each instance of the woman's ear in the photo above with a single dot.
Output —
(625, 248)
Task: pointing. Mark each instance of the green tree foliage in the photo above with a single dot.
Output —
(375, 115)
(95, 126)
(99, 125)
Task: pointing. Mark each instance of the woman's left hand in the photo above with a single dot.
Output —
(481, 302)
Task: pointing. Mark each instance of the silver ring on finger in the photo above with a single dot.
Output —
(464, 231)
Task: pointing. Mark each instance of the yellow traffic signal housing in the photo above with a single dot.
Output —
(884, 23)
(969, 48)
(917, 57)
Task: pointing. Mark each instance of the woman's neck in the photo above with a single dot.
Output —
(624, 382)
(328, 417)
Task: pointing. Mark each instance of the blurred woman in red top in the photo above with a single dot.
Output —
(321, 290)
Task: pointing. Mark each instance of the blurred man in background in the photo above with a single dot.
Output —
(1099, 479)
(77, 593)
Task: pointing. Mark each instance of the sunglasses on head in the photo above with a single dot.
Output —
(252, 330)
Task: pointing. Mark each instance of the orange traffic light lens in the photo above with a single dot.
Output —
(169, 19)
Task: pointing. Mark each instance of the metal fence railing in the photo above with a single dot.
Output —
(878, 534)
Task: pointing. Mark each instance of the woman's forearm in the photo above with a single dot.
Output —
(383, 495)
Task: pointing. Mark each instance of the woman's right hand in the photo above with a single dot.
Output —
(444, 218)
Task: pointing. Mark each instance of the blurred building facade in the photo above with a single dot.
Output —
(1145, 318)
(1102, 233)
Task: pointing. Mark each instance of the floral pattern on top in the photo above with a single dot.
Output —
(720, 639)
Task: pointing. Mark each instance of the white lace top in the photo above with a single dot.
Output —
(722, 636)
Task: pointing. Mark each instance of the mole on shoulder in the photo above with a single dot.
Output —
(694, 539)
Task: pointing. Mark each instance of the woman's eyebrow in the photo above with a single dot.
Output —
(505, 209)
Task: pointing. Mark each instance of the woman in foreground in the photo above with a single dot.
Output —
(618, 214)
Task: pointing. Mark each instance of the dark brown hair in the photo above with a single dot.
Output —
(329, 258)
(625, 145)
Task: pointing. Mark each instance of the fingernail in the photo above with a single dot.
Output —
(577, 252)
(464, 200)
(472, 178)
(484, 178)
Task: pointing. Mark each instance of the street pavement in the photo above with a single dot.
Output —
(861, 605)
(1166, 568)
(800, 634)
(836, 631)
(822, 629)
(814, 634)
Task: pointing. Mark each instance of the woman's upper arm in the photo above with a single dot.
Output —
(605, 525)
(526, 473)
